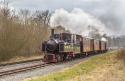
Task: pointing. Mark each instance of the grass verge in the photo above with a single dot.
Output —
(79, 69)
(121, 55)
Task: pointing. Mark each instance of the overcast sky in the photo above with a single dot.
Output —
(110, 12)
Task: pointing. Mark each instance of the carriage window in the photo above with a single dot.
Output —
(78, 39)
(67, 38)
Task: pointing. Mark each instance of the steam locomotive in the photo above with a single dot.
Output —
(67, 46)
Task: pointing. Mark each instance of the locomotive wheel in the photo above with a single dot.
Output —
(58, 57)
(64, 57)
(69, 57)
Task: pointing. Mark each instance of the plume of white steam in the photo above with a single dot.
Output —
(104, 39)
(77, 21)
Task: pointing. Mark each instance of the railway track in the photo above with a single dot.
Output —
(31, 67)
(23, 69)
(13, 63)
(8, 72)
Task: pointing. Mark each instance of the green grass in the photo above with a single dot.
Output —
(82, 68)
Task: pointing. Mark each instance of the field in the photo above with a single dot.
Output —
(105, 67)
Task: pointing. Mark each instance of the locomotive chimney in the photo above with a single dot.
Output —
(52, 31)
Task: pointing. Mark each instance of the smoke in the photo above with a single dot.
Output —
(78, 21)
(111, 13)
(103, 39)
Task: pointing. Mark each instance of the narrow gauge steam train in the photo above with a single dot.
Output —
(66, 46)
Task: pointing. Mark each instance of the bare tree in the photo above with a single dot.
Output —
(42, 17)
(4, 10)
(24, 14)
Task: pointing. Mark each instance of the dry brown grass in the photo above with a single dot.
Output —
(121, 55)
(21, 59)
(18, 38)
(114, 72)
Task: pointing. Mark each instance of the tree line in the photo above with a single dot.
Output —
(22, 32)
